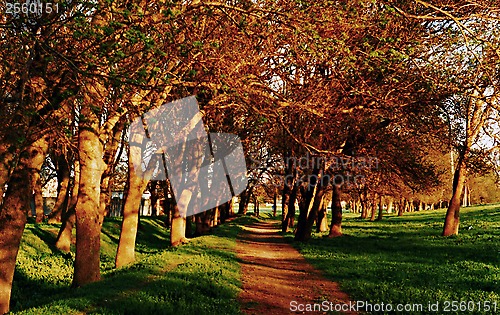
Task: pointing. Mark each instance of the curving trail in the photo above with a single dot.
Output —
(274, 274)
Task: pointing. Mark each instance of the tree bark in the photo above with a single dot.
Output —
(69, 217)
(307, 209)
(13, 215)
(289, 221)
(336, 226)
(125, 253)
(322, 222)
(37, 194)
(452, 219)
(374, 208)
(63, 177)
(364, 206)
(244, 201)
(137, 181)
(178, 228)
(275, 203)
(88, 216)
(380, 209)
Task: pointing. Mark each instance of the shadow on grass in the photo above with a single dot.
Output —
(404, 260)
(201, 277)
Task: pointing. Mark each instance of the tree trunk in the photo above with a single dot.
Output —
(336, 226)
(189, 226)
(308, 208)
(390, 206)
(13, 215)
(63, 177)
(380, 209)
(178, 228)
(374, 207)
(288, 223)
(215, 220)
(401, 207)
(69, 217)
(275, 203)
(125, 253)
(322, 221)
(452, 219)
(37, 193)
(244, 201)
(364, 206)
(88, 216)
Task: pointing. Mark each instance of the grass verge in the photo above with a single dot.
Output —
(202, 277)
(404, 260)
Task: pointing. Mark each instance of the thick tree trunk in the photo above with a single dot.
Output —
(88, 216)
(178, 228)
(336, 226)
(13, 215)
(452, 219)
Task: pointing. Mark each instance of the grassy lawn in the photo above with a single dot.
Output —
(404, 260)
(202, 277)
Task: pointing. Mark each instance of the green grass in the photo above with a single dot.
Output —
(404, 260)
(202, 277)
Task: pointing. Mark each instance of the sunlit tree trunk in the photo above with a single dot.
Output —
(452, 219)
(390, 206)
(88, 216)
(322, 221)
(13, 215)
(178, 227)
(137, 182)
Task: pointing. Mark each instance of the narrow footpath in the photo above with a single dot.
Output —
(276, 278)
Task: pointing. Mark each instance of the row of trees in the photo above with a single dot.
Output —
(395, 81)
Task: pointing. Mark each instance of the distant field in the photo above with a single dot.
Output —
(404, 260)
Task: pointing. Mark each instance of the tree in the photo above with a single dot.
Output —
(465, 36)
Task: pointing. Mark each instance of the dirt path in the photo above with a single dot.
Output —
(274, 274)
